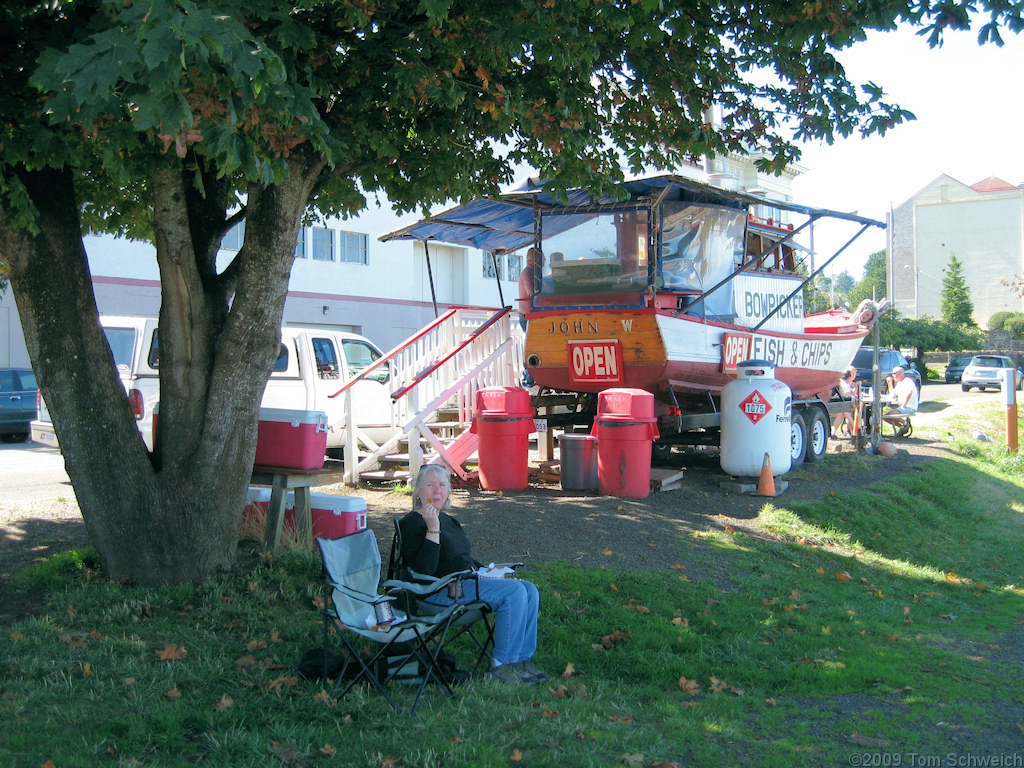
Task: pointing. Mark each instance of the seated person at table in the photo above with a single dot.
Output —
(434, 544)
(904, 401)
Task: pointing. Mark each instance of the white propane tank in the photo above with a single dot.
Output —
(756, 414)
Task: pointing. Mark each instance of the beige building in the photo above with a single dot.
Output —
(981, 224)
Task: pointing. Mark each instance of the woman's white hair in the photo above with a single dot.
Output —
(421, 478)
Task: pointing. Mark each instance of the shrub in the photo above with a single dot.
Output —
(1015, 326)
(998, 320)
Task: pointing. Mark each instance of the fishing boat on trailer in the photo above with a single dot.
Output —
(664, 288)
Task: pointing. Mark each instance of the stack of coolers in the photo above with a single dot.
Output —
(297, 440)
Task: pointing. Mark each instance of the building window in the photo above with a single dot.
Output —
(323, 244)
(234, 238)
(513, 266)
(499, 259)
(353, 247)
(300, 244)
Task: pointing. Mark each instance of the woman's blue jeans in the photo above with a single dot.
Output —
(515, 604)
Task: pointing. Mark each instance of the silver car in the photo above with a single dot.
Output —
(987, 371)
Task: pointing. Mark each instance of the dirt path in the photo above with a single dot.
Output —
(542, 523)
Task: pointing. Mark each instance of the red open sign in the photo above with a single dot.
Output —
(595, 362)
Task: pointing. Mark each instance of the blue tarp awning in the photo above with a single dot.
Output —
(506, 223)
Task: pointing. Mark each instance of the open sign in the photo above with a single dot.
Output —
(595, 362)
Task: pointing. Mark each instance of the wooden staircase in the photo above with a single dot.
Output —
(438, 372)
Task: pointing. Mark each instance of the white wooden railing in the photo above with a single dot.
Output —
(441, 366)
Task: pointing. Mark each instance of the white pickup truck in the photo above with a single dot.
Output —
(313, 364)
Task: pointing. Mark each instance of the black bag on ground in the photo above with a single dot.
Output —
(318, 664)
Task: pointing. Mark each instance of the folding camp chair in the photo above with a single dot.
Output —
(476, 621)
(354, 607)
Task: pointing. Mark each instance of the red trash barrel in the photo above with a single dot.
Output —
(625, 427)
(503, 421)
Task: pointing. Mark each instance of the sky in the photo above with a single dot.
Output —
(970, 125)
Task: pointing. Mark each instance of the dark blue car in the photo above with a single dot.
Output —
(955, 369)
(17, 402)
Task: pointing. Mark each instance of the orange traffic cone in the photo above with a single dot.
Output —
(766, 483)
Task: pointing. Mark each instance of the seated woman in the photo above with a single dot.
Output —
(434, 544)
(846, 392)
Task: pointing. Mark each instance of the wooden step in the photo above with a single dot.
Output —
(386, 476)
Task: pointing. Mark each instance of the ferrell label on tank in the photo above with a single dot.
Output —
(755, 407)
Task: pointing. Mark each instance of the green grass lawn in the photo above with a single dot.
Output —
(864, 625)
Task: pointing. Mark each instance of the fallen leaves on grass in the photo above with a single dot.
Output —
(172, 652)
(611, 640)
(689, 686)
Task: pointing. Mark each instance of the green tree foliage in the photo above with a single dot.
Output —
(957, 307)
(998, 320)
(171, 120)
(926, 335)
(873, 284)
(844, 283)
(1015, 325)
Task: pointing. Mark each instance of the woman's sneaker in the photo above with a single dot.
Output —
(531, 674)
(509, 674)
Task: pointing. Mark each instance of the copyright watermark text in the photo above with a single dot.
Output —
(947, 760)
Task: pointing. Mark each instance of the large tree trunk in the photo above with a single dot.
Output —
(172, 516)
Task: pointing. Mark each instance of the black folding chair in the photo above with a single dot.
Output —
(477, 620)
(354, 610)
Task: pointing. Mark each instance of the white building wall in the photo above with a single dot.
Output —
(984, 230)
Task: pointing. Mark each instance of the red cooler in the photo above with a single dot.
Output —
(291, 439)
(503, 421)
(333, 516)
(254, 516)
(625, 427)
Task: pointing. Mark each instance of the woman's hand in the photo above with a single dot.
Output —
(429, 514)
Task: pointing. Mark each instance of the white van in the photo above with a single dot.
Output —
(313, 364)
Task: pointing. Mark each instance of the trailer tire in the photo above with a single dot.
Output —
(817, 435)
(797, 440)
(661, 454)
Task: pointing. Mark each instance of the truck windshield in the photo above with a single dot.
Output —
(122, 344)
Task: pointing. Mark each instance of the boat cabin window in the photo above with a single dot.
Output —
(587, 255)
(700, 245)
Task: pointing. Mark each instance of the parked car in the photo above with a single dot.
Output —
(887, 360)
(987, 371)
(955, 369)
(17, 403)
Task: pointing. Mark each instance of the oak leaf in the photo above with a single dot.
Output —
(689, 686)
(172, 652)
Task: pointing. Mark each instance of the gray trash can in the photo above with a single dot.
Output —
(578, 458)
